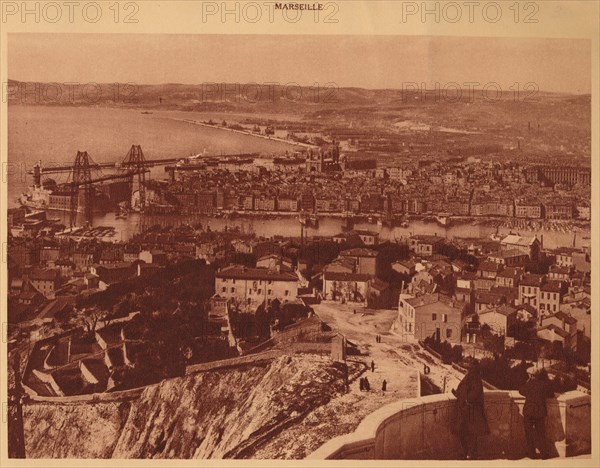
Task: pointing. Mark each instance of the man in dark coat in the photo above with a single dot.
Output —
(536, 391)
(470, 415)
(367, 385)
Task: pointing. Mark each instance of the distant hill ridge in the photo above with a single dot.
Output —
(231, 96)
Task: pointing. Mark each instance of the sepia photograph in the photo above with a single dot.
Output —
(298, 247)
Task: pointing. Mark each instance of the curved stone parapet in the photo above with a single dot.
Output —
(422, 429)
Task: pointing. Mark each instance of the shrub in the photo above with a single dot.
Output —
(448, 352)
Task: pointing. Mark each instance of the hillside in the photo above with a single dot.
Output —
(217, 414)
(544, 123)
(280, 98)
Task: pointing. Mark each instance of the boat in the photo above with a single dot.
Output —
(348, 224)
(442, 218)
(311, 221)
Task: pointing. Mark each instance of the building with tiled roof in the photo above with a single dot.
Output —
(499, 319)
(489, 269)
(252, 286)
(509, 277)
(425, 245)
(366, 260)
(527, 245)
(348, 287)
(510, 257)
(45, 280)
(487, 300)
(431, 315)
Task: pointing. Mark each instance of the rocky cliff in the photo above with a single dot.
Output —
(224, 413)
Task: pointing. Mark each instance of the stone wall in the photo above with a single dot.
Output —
(422, 429)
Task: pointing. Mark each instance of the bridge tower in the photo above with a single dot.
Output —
(82, 178)
(135, 161)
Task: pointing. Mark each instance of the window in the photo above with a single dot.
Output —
(233, 281)
(269, 292)
(260, 291)
(287, 293)
(444, 318)
(448, 332)
(224, 289)
(433, 317)
(232, 290)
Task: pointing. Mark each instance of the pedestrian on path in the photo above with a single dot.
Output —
(372, 366)
(384, 386)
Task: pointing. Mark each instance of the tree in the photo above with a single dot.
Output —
(89, 319)
(500, 374)
(491, 341)
(522, 331)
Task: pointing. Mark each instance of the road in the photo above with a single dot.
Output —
(396, 360)
(395, 357)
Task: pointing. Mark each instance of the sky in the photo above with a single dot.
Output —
(375, 62)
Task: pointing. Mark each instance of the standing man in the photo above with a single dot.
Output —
(372, 366)
(536, 391)
(470, 415)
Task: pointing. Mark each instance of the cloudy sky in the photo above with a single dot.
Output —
(559, 65)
